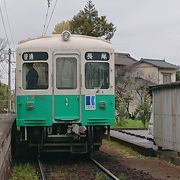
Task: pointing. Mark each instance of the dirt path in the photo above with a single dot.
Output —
(158, 169)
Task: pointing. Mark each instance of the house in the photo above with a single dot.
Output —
(151, 72)
(122, 62)
(141, 74)
(156, 71)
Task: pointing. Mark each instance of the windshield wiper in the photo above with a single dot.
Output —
(100, 86)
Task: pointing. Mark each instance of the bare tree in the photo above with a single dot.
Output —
(3, 54)
(132, 91)
(124, 92)
(142, 83)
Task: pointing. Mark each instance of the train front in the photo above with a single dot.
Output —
(64, 93)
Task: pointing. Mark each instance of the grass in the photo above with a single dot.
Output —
(122, 177)
(129, 123)
(24, 172)
(64, 175)
(101, 176)
(123, 150)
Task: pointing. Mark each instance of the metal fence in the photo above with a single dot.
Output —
(166, 115)
(4, 106)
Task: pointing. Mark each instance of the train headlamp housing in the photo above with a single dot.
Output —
(66, 35)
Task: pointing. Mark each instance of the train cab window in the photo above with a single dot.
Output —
(35, 76)
(97, 75)
(66, 73)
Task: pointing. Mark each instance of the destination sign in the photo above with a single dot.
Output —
(99, 56)
(32, 56)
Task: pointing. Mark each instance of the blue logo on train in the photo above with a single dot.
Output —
(90, 102)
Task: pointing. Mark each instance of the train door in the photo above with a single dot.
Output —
(66, 91)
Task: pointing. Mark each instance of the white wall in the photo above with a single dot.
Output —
(147, 71)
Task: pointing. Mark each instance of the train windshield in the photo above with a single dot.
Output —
(97, 75)
(35, 76)
(66, 73)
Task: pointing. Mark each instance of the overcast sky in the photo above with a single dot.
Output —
(145, 29)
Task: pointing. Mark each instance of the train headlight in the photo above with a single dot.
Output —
(102, 105)
(66, 35)
(30, 105)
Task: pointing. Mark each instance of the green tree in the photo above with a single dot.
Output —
(87, 22)
(3, 87)
(3, 97)
(60, 27)
(121, 108)
(144, 108)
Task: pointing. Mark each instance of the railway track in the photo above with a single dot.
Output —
(100, 168)
(41, 170)
(44, 173)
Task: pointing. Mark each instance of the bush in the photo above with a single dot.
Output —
(144, 109)
(121, 109)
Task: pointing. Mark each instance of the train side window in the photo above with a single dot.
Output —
(97, 75)
(66, 73)
(35, 76)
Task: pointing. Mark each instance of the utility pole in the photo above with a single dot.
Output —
(9, 80)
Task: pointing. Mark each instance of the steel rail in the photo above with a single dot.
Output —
(107, 172)
(41, 170)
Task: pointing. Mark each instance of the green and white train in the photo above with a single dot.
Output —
(64, 92)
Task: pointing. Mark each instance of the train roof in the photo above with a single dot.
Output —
(56, 41)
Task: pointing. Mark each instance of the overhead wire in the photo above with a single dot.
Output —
(0, 2)
(5, 31)
(10, 29)
(50, 17)
(4, 68)
(44, 26)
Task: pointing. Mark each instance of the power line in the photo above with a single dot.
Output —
(3, 67)
(5, 72)
(12, 39)
(51, 16)
(0, 2)
(47, 12)
(4, 26)
(2, 51)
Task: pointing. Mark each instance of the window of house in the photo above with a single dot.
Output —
(66, 73)
(97, 75)
(35, 76)
(166, 78)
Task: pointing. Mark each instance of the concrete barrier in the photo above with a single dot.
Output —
(6, 122)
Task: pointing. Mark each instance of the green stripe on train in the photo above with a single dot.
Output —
(37, 110)
(34, 110)
(104, 112)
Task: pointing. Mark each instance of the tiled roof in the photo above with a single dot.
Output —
(124, 59)
(159, 63)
